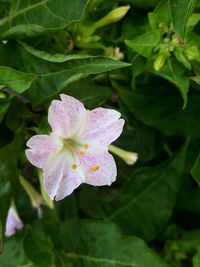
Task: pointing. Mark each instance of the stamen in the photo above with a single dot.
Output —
(94, 169)
(74, 166)
(86, 146)
(82, 153)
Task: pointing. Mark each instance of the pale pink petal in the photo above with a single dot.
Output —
(64, 115)
(40, 146)
(99, 168)
(60, 179)
(13, 222)
(102, 127)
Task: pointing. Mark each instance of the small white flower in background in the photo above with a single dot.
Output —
(77, 149)
(13, 222)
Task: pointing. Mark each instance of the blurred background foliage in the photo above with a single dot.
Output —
(141, 57)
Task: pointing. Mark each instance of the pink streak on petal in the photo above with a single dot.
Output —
(40, 146)
(103, 126)
(64, 115)
(107, 172)
(13, 222)
(60, 180)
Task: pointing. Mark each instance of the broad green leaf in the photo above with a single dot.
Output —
(195, 171)
(149, 190)
(53, 82)
(160, 17)
(16, 80)
(38, 248)
(102, 244)
(145, 43)
(188, 200)
(57, 58)
(30, 18)
(175, 73)
(53, 77)
(13, 254)
(180, 11)
(91, 94)
(161, 107)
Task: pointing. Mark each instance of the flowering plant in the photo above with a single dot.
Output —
(99, 133)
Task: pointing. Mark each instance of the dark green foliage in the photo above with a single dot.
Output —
(144, 63)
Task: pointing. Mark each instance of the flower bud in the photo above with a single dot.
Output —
(35, 197)
(113, 16)
(129, 157)
(161, 58)
(192, 52)
(2, 95)
(13, 222)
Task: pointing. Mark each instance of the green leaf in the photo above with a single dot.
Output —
(102, 244)
(16, 80)
(53, 82)
(195, 171)
(160, 17)
(30, 18)
(175, 73)
(180, 12)
(91, 94)
(145, 43)
(161, 107)
(13, 254)
(57, 58)
(38, 248)
(149, 190)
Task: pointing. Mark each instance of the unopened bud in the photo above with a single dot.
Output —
(161, 58)
(35, 197)
(2, 95)
(129, 157)
(192, 52)
(13, 221)
(113, 16)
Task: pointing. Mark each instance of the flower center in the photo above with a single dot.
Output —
(77, 150)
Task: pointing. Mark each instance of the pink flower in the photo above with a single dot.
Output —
(77, 149)
(13, 222)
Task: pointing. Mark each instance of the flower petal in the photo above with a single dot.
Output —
(102, 127)
(60, 179)
(99, 168)
(40, 146)
(64, 116)
(13, 222)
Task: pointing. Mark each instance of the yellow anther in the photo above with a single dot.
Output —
(86, 146)
(74, 166)
(82, 153)
(94, 169)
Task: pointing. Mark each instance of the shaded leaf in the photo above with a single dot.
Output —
(195, 171)
(180, 11)
(175, 73)
(149, 190)
(30, 18)
(145, 43)
(101, 244)
(162, 109)
(16, 80)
